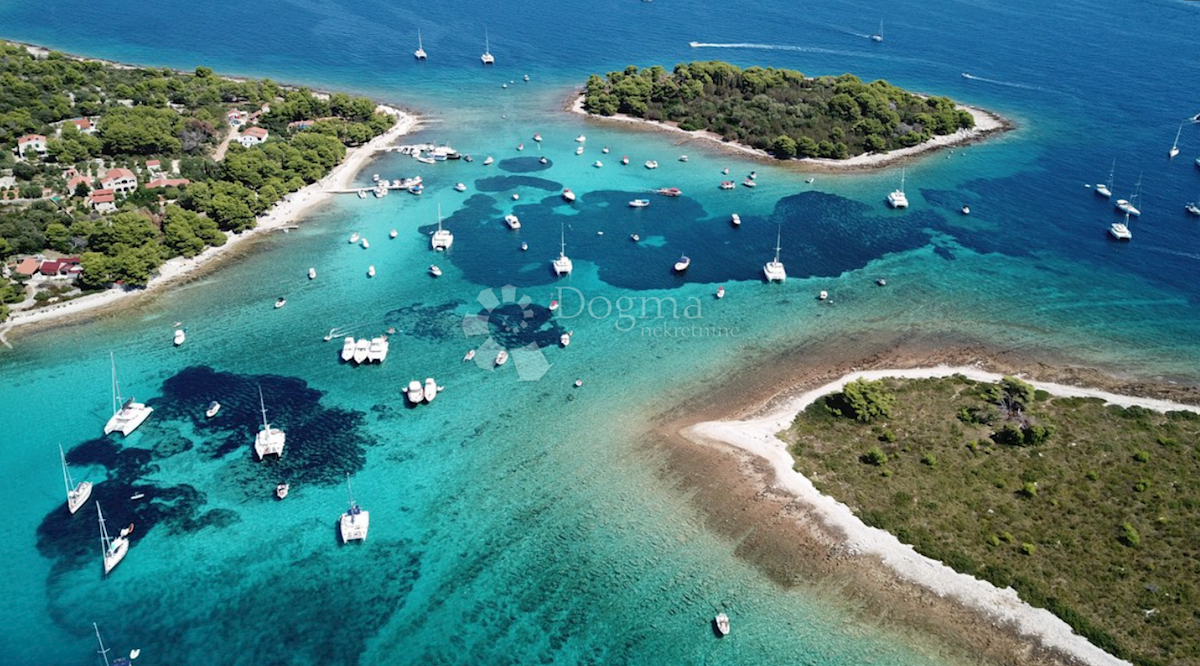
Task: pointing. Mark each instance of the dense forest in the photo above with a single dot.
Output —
(158, 123)
(778, 110)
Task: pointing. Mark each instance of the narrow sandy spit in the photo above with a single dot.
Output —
(1002, 607)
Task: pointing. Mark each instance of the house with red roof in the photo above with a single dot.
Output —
(74, 179)
(103, 201)
(235, 117)
(28, 266)
(84, 125)
(252, 136)
(119, 180)
(65, 267)
(167, 182)
(31, 143)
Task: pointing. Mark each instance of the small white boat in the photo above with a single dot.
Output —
(488, 160)
(720, 292)
(966, 210)
(502, 357)
(354, 238)
(362, 349)
(604, 150)
(393, 233)
(553, 305)
(753, 175)
(823, 295)
(639, 203)
(469, 356)
(281, 490)
(1193, 208)
(516, 196)
(749, 182)
(415, 393)
(537, 137)
(728, 184)
(722, 623)
(598, 164)
(362, 194)
(568, 195)
(134, 497)
(364, 244)
(579, 150)
(312, 273)
(512, 221)
(460, 187)
(371, 271)
(810, 181)
(77, 493)
(1105, 189)
(651, 164)
(543, 160)
(634, 237)
(581, 138)
(179, 336)
(280, 302)
(683, 263)
(524, 246)
(526, 77)
(1175, 146)
(725, 171)
(564, 339)
(435, 271)
(431, 389)
(520, 146)
(578, 383)
(683, 158)
(625, 160)
(348, 348)
(736, 219)
(881, 282)
(213, 408)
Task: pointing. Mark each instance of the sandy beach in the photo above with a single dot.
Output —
(987, 123)
(288, 211)
(765, 459)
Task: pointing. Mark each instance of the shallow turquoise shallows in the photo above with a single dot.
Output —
(521, 522)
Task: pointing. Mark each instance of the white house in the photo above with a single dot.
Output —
(119, 180)
(31, 143)
(253, 136)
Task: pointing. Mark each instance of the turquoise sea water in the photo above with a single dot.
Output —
(525, 521)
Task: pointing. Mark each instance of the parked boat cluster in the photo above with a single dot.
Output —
(364, 350)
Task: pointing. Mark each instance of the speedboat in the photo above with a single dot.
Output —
(416, 394)
(362, 349)
(520, 146)
(371, 271)
(683, 263)
(579, 150)
(524, 246)
(651, 164)
(581, 138)
(1193, 208)
(416, 189)
(431, 389)
(736, 219)
(809, 180)
(639, 203)
(725, 171)
(348, 348)
(469, 356)
(378, 350)
(543, 160)
(537, 137)
(604, 150)
(280, 302)
(753, 175)
(393, 233)
(512, 221)
(281, 490)
(354, 238)
(364, 244)
(597, 164)
(526, 77)
(720, 292)
(881, 282)
(728, 184)
(213, 408)
(670, 191)
(516, 196)
(625, 160)
(966, 210)
(722, 623)
(312, 273)
(824, 295)
(502, 357)
(435, 271)
(179, 336)
(749, 183)
(460, 187)
(565, 339)
(683, 158)
(553, 305)
(362, 194)
(488, 160)
(568, 195)
(634, 237)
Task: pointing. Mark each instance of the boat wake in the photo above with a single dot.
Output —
(801, 49)
(1007, 84)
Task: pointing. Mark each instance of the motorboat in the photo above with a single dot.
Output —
(897, 198)
(604, 150)
(634, 237)
(568, 195)
(280, 302)
(364, 244)
(213, 408)
(736, 220)
(435, 271)
(753, 175)
(416, 189)
(1105, 189)
(966, 210)
(598, 164)
(824, 295)
(579, 150)
(420, 52)
(502, 357)
(773, 270)
(431, 389)
(354, 238)
(728, 184)
(442, 239)
(487, 58)
(362, 349)
(393, 233)
(512, 221)
(180, 336)
(881, 282)
(669, 191)
(564, 339)
(371, 270)
(725, 171)
(470, 355)
(553, 305)
(312, 273)
(357, 520)
(721, 621)
(683, 263)
(1175, 146)
(651, 164)
(720, 292)
(520, 146)
(537, 137)
(348, 348)
(1193, 208)
(362, 193)
(581, 138)
(415, 394)
(524, 246)
(625, 160)
(526, 78)
(113, 550)
(516, 196)
(281, 490)
(543, 160)
(268, 441)
(460, 187)
(378, 349)
(127, 414)
(639, 203)
(683, 158)
(77, 493)
(809, 180)
(563, 263)
(488, 160)
(749, 182)
(578, 383)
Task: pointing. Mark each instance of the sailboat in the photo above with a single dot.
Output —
(878, 37)
(898, 199)
(1105, 189)
(487, 57)
(563, 263)
(1175, 146)
(420, 52)
(1129, 205)
(774, 269)
(268, 440)
(1120, 231)
(133, 654)
(77, 494)
(442, 238)
(356, 521)
(127, 415)
(113, 549)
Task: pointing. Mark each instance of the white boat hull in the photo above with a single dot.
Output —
(79, 496)
(354, 526)
(116, 553)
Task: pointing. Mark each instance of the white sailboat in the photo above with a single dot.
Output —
(563, 263)
(1175, 146)
(1120, 231)
(114, 550)
(897, 199)
(356, 521)
(269, 440)
(878, 37)
(420, 52)
(133, 654)
(77, 493)
(1130, 205)
(774, 269)
(1105, 189)
(127, 415)
(487, 57)
(442, 239)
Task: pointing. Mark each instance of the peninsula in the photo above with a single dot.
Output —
(824, 121)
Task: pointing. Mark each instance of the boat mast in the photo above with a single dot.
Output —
(1110, 173)
(263, 407)
(116, 387)
(104, 540)
(439, 217)
(67, 480)
(562, 231)
(103, 650)
(1176, 144)
(419, 47)
(901, 180)
(778, 232)
(487, 47)
(350, 492)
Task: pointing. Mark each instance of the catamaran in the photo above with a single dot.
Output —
(77, 493)
(442, 239)
(356, 521)
(269, 440)
(563, 263)
(1120, 231)
(1105, 189)
(420, 52)
(113, 549)
(487, 57)
(774, 269)
(127, 415)
(897, 199)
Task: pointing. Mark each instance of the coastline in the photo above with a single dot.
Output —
(987, 123)
(289, 210)
(799, 534)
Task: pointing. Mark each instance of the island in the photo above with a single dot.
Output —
(784, 114)
(108, 170)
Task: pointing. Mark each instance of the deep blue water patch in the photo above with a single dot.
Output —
(508, 183)
(524, 164)
(515, 326)
(437, 322)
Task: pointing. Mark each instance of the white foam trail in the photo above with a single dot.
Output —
(801, 49)
(1001, 83)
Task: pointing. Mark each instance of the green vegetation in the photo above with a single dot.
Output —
(1085, 509)
(778, 110)
(145, 114)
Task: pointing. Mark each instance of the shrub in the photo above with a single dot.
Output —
(1163, 440)
(1129, 536)
(875, 456)
(1092, 475)
(888, 436)
(993, 540)
(1142, 456)
(1007, 536)
(1029, 490)
(1028, 548)
(867, 401)
(930, 460)
(1142, 485)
